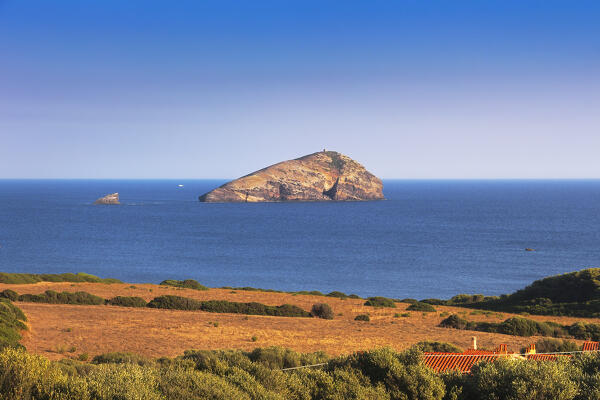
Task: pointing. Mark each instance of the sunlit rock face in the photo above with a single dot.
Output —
(108, 199)
(322, 176)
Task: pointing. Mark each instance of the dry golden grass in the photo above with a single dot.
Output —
(155, 333)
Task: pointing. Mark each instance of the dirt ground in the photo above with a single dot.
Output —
(58, 331)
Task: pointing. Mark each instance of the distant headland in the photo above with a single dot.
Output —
(322, 176)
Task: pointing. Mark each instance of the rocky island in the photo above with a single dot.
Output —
(109, 199)
(322, 176)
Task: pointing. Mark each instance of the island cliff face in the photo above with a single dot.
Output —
(323, 176)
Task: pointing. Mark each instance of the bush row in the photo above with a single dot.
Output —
(519, 326)
(186, 284)
(224, 306)
(52, 297)
(379, 301)
(127, 301)
(15, 278)
(420, 306)
(169, 302)
(335, 293)
(381, 374)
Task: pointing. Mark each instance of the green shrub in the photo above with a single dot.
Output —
(421, 307)
(377, 374)
(309, 293)
(339, 295)
(9, 294)
(554, 345)
(340, 384)
(187, 284)
(276, 357)
(175, 303)
(223, 306)
(573, 294)
(518, 326)
(521, 379)
(454, 321)
(16, 278)
(322, 310)
(380, 302)
(252, 289)
(584, 331)
(26, 376)
(127, 301)
(439, 347)
(183, 384)
(434, 302)
(402, 374)
(52, 297)
(362, 317)
(12, 322)
(121, 358)
(123, 381)
(465, 299)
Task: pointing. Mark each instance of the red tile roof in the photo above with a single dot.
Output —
(441, 362)
(463, 362)
(591, 346)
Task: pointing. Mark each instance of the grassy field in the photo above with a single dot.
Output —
(60, 330)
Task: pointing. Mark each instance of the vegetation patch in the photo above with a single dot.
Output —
(519, 326)
(279, 357)
(322, 310)
(380, 302)
(337, 294)
(419, 306)
(575, 294)
(309, 293)
(252, 289)
(224, 306)
(381, 374)
(15, 278)
(186, 284)
(122, 358)
(12, 321)
(52, 297)
(175, 303)
(362, 317)
(336, 160)
(127, 301)
(437, 347)
(9, 294)
(547, 345)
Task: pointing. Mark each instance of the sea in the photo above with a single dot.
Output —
(429, 239)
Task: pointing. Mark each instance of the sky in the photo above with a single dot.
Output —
(216, 89)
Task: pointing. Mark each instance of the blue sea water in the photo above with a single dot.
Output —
(429, 239)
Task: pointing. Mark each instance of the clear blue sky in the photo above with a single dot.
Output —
(216, 89)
